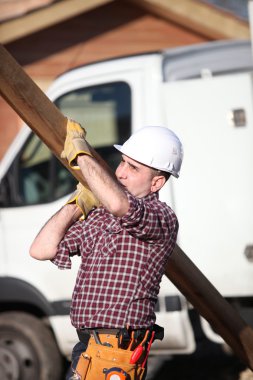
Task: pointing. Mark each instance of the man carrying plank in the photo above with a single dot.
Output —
(124, 245)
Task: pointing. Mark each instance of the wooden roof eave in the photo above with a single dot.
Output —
(193, 15)
(45, 17)
(199, 17)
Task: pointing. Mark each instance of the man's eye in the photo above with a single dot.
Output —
(134, 168)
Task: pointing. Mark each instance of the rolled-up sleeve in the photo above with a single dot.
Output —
(68, 247)
(143, 219)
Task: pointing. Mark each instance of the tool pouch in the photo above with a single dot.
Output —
(83, 365)
(104, 359)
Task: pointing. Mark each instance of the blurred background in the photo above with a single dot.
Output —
(49, 37)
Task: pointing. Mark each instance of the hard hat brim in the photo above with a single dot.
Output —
(120, 148)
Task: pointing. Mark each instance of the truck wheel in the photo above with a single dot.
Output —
(27, 349)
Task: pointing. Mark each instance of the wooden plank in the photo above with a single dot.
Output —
(202, 18)
(34, 107)
(49, 124)
(45, 17)
(211, 305)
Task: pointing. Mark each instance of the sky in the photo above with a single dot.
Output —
(237, 7)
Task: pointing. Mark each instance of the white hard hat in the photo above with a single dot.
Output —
(157, 147)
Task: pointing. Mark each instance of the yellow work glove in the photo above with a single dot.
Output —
(84, 199)
(75, 143)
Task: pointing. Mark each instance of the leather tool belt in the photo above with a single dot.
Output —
(110, 355)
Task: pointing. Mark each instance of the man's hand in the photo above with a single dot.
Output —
(75, 143)
(84, 199)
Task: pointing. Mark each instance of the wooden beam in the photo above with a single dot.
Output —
(49, 124)
(199, 17)
(223, 318)
(34, 107)
(45, 17)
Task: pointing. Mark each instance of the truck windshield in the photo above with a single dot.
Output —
(37, 177)
(105, 113)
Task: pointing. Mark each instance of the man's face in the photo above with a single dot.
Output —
(135, 177)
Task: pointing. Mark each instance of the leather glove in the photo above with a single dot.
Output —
(84, 199)
(75, 143)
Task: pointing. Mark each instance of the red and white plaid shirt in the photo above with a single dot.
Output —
(122, 263)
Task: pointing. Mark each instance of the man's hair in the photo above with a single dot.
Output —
(166, 175)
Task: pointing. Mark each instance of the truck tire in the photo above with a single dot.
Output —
(27, 349)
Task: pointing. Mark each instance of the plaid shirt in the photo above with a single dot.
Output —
(122, 263)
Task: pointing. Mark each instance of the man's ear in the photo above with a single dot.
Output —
(157, 183)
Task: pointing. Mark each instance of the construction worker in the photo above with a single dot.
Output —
(124, 242)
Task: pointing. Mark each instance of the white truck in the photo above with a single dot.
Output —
(202, 92)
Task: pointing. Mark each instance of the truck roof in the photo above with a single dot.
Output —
(213, 58)
(193, 61)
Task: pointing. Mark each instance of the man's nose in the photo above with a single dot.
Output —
(122, 170)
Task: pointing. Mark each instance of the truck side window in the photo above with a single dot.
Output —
(34, 181)
(37, 176)
(42, 177)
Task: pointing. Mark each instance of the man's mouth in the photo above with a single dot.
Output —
(124, 186)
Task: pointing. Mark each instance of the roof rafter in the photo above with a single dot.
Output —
(195, 15)
(45, 17)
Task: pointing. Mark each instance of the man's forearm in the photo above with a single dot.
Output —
(44, 246)
(104, 186)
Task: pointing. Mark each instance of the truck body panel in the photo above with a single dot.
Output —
(214, 192)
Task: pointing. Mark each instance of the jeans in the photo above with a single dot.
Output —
(76, 353)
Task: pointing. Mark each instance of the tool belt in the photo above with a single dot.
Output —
(115, 353)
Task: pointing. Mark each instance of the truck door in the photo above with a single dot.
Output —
(31, 191)
(213, 197)
(36, 185)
